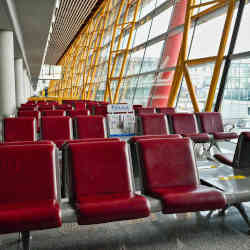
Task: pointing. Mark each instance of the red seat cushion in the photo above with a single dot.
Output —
(111, 207)
(188, 199)
(170, 174)
(225, 158)
(224, 135)
(22, 217)
(198, 138)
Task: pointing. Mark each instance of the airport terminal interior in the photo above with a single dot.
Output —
(124, 124)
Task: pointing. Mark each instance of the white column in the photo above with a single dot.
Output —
(19, 81)
(25, 85)
(7, 74)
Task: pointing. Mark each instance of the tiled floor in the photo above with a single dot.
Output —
(177, 232)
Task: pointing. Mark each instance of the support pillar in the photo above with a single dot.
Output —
(19, 81)
(7, 74)
(25, 85)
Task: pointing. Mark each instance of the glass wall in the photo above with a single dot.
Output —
(96, 57)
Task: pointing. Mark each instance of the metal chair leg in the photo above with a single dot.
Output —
(243, 213)
(26, 240)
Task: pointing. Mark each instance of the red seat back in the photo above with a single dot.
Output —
(31, 170)
(74, 113)
(19, 129)
(165, 110)
(96, 171)
(28, 113)
(27, 108)
(147, 110)
(56, 128)
(168, 163)
(53, 113)
(65, 107)
(80, 106)
(153, 124)
(184, 123)
(101, 110)
(90, 127)
(45, 107)
(210, 122)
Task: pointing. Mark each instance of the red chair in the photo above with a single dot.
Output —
(211, 123)
(170, 174)
(152, 124)
(147, 110)
(101, 187)
(77, 112)
(134, 156)
(57, 129)
(101, 110)
(35, 114)
(66, 107)
(185, 124)
(45, 107)
(89, 127)
(241, 158)
(29, 197)
(80, 106)
(27, 108)
(165, 110)
(19, 129)
(53, 113)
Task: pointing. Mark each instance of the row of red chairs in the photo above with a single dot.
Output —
(56, 128)
(99, 183)
(199, 126)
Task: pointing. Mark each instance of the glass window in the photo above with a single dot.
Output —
(152, 56)
(160, 23)
(242, 43)
(237, 93)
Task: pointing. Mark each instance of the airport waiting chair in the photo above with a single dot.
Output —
(27, 108)
(80, 106)
(53, 113)
(28, 105)
(101, 110)
(31, 202)
(65, 159)
(57, 129)
(185, 125)
(44, 107)
(134, 155)
(89, 127)
(101, 189)
(29, 113)
(211, 123)
(152, 124)
(66, 107)
(19, 129)
(241, 157)
(165, 110)
(144, 110)
(77, 112)
(179, 193)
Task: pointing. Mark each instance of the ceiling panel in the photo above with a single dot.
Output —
(69, 18)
